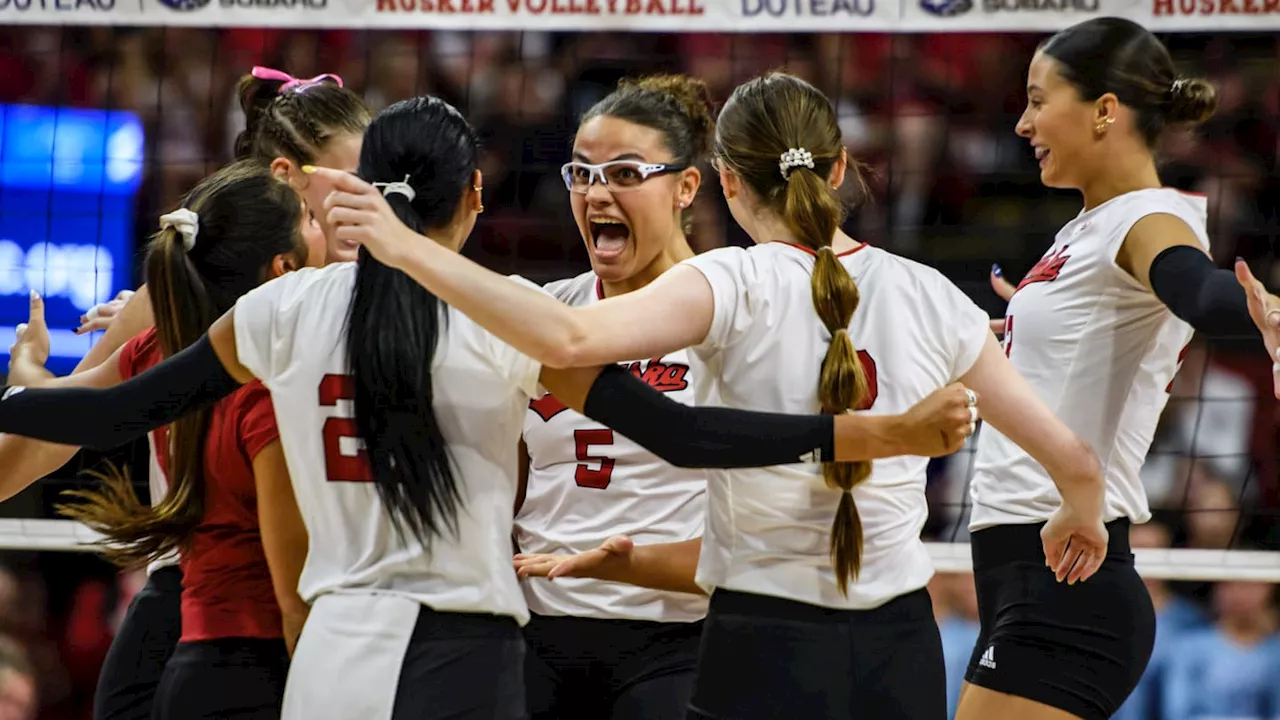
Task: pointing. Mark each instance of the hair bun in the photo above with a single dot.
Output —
(693, 97)
(1191, 101)
(256, 96)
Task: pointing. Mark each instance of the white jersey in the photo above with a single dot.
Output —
(290, 333)
(768, 529)
(587, 482)
(1101, 351)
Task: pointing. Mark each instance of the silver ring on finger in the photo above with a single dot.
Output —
(973, 414)
(971, 398)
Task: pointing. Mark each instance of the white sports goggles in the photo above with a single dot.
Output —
(617, 176)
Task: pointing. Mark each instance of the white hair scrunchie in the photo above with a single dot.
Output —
(186, 222)
(794, 158)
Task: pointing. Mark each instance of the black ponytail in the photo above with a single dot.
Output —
(394, 324)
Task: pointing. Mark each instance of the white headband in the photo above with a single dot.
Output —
(401, 187)
(186, 222)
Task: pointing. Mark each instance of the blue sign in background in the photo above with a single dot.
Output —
(68, 178)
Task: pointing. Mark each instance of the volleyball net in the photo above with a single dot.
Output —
(107, 120)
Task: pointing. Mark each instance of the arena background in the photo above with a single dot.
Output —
(931, 114)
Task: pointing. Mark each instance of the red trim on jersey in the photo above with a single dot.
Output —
(1188, 193)
(599, 288)
(802, 248)
(226, 583)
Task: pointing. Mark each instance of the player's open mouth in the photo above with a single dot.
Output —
(609, 237)
(1041, 154)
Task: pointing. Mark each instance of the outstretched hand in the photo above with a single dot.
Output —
(100, 316)
(1264, 309)
(601, 563)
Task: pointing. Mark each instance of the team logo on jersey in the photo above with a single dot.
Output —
(1048, 269)
(661, 376)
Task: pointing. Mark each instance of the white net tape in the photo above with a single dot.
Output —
(1176, 564)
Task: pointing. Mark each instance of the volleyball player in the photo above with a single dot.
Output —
(1097, 327)
(853, 631)
(415, 610)
(288, 123)
(229, 507)
(610, 650)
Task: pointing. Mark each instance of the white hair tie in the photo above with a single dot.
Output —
(794, 158)
(186, 222)
(401, 187)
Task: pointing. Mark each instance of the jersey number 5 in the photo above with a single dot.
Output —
(585, 475)
(340, 466)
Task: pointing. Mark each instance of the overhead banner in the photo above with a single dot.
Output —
(738, 16)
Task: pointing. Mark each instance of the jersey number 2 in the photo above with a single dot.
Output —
(340, 466)
(586, 475)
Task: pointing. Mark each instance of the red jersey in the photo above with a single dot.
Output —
(226, 584)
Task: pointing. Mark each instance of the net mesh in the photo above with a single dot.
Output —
(931, 116)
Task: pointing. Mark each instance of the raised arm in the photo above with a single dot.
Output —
(25, 460)
(717, 437)
(1161, 252)
(672, 313)
(1011, 405)
(105, 418)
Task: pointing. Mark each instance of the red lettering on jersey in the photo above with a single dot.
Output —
(339, 466)
(663, 377)
(1048, 269)
(873, 382)
(547, 407)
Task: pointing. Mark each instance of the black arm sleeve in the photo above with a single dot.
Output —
(103, 418)
(1207, 298)
(705, 437)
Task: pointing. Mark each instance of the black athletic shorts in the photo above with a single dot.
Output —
(1080, 648)
(765, 658)
(132, 669)
(224, 679)
(591, 669)
(462, 666)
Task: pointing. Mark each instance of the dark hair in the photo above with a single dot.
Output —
(677, 106)
(246, 219)
(1112, 55)
(765, 118)
(297, 123)
(394, 323)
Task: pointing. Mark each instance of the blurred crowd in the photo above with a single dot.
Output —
(930, 117)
